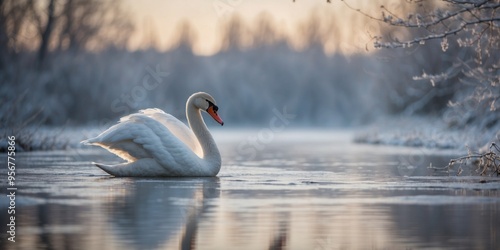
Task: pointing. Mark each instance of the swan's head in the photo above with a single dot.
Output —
(206, 102)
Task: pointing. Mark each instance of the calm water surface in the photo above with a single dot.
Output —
(292, 190)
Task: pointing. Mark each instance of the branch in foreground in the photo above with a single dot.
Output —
(486, 164)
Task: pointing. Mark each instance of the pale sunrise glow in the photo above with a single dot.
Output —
(157, 22)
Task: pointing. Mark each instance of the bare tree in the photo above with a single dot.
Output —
(265, 31)
(63, 25)
(186, 37)
(235, 34)
(12, 20)
(46, 34)
(86, 23)
(31, 31)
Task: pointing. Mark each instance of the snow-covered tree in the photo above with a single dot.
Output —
(462, 37)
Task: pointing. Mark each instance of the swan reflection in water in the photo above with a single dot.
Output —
(167, 213)
(162, 213)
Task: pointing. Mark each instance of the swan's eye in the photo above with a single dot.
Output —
(211, 104)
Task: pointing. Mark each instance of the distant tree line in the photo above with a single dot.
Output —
(256, 70)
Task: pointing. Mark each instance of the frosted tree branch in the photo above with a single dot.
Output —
(456, 17)
(486, 163)
(420, 40)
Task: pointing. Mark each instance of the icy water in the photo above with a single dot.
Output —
(289, 190)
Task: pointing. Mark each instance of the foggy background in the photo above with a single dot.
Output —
(78, 62)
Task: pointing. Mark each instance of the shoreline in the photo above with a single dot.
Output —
(427, 132)
(413, 132)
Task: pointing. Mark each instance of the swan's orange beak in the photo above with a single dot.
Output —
(213, 113)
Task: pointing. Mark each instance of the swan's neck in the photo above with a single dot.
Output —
(211, 155)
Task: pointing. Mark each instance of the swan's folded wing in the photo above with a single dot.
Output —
(140, 136)
(165, 147)
(176, 127)
(119, 140)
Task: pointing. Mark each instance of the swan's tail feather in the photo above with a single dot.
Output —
(86, 142)
(146, 167)
(106, 168)
(90, 141)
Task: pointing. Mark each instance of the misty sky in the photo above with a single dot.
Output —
(158, 20)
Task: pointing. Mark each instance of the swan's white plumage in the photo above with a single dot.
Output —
(178, 128)
(157, 144)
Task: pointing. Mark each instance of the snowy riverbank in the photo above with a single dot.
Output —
(428, 133)
(47, 138)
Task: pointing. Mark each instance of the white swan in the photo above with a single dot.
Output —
(155, 143)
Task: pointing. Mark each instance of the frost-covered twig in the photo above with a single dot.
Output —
(486, 163)
(423, 39)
